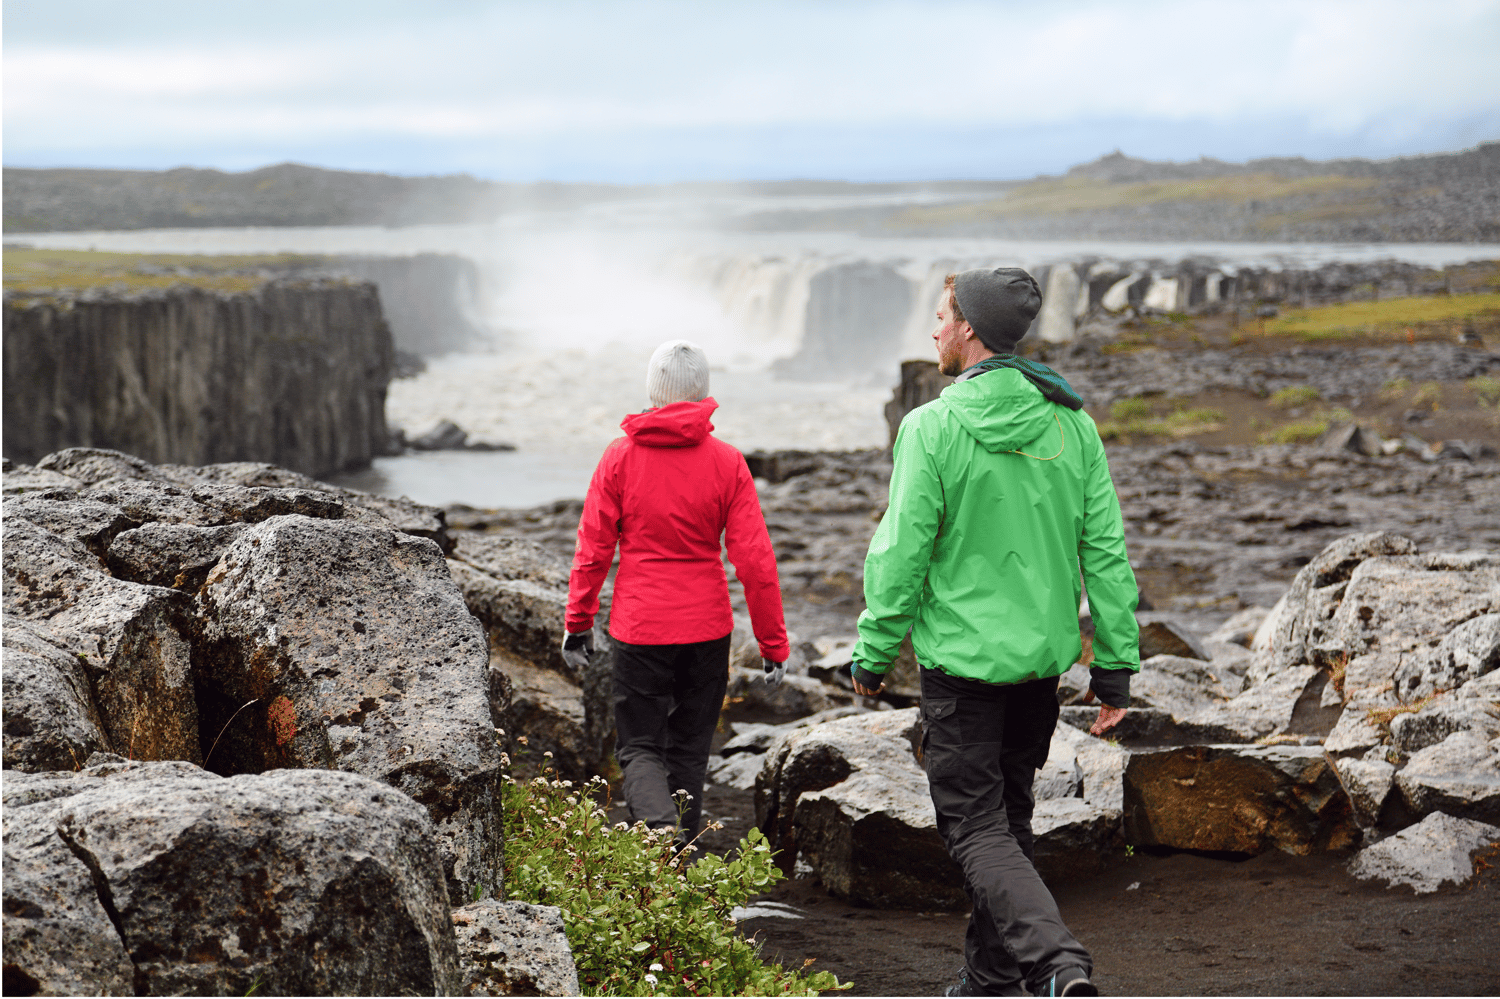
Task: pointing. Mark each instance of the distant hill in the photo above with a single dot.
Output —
(1452, 197)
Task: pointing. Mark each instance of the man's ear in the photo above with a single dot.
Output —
(968, 331)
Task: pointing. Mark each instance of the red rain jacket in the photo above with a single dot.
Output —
(666, 492)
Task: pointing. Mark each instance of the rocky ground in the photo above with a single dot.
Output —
(1216, 524)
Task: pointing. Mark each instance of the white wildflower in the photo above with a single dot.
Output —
(651, 979)
(656, 967)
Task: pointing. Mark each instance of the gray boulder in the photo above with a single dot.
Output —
(175, 555)
(513, 948)
(849, 798)
(1466, 653)
(1414, 731)
(1241, 627)
(1460, 776)
(1164, 636)
(128, 639)
(519, 592)
(1436, 851)
(50, 721)
(1368, 783)
(1288, 703)
(1239, 799)
(794, 697)
(1300, 621)
(353, 650)
(90, 523)
(59, 938)
(179, 861)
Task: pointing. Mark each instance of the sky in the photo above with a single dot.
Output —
(654, 92)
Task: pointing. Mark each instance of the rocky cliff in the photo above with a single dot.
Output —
(290, 372)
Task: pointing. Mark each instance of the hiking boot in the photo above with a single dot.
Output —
(966, 987)
(1069, 982)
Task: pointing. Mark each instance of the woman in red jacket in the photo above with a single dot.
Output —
(665, 493)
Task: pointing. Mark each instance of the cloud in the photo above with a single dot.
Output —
(470, 76)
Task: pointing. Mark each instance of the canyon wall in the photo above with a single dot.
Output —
(293, 373)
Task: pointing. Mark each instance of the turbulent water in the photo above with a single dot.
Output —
(574, 301)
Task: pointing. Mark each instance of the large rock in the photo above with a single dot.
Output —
(1466, 653)
(1436, 851)
(519, 592)
(176, 555)
(329, 644)
(128, 640)
(513, 949)
(1300, 620)
(1238, 799)
(290, 883)
(50, 720)
(59, 938)
(1288, 703)
(1368, 784)
(1414, 731)
(1460, 776)
(1163, 636)
(293, 372)
(848, 797)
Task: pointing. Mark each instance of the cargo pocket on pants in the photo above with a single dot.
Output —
(941, 757)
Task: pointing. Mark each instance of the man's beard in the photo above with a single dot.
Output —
(950, 365)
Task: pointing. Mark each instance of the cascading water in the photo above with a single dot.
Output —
(574, 303)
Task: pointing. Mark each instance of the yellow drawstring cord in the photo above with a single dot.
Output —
(1063, 443)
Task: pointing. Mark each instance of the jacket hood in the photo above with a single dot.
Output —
(1000, 409)
(677, 424)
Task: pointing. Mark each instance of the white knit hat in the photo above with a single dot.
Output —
(678, 372)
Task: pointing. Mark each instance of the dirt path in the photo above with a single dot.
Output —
(1271, 925)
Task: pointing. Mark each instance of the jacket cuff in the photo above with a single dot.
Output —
(1111, 686)
(866, 678)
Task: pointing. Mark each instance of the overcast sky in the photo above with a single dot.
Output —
(663, 91)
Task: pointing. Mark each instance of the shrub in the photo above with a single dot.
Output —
(640, 918)
(1394, 389)
(1295, 395)
(1428, 394)
(1296, 433)
(1486, 390)
(1125, 410)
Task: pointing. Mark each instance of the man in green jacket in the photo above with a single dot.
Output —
(1000, 496)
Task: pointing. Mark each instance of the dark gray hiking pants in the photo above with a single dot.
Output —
(667, 702)
(982, 746)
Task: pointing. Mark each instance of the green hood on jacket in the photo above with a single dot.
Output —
(999, 500)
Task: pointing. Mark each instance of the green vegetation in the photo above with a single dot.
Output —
(1428, 394)
(1295, 395)
(1387, 319)
(1137, 417)
(1394, 389)
(1296, 433)
(59, 270)
(1077, 194)
(1486, 390)
(640, 918)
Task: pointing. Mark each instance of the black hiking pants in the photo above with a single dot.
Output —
(667, 702)
(982, 744)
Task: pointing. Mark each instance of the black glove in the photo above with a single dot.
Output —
(866, 679)
(1111, 686)
(774, 673)
(576, 649)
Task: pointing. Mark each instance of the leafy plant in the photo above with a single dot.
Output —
(1486, 390)
(1294, 395)
(641, 919)
(1295, 433)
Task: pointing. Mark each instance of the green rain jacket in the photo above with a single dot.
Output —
(998, 498)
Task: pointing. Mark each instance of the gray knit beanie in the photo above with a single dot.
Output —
(678, 372)
(999, 304)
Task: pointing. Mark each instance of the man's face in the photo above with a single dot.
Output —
(951, 336)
